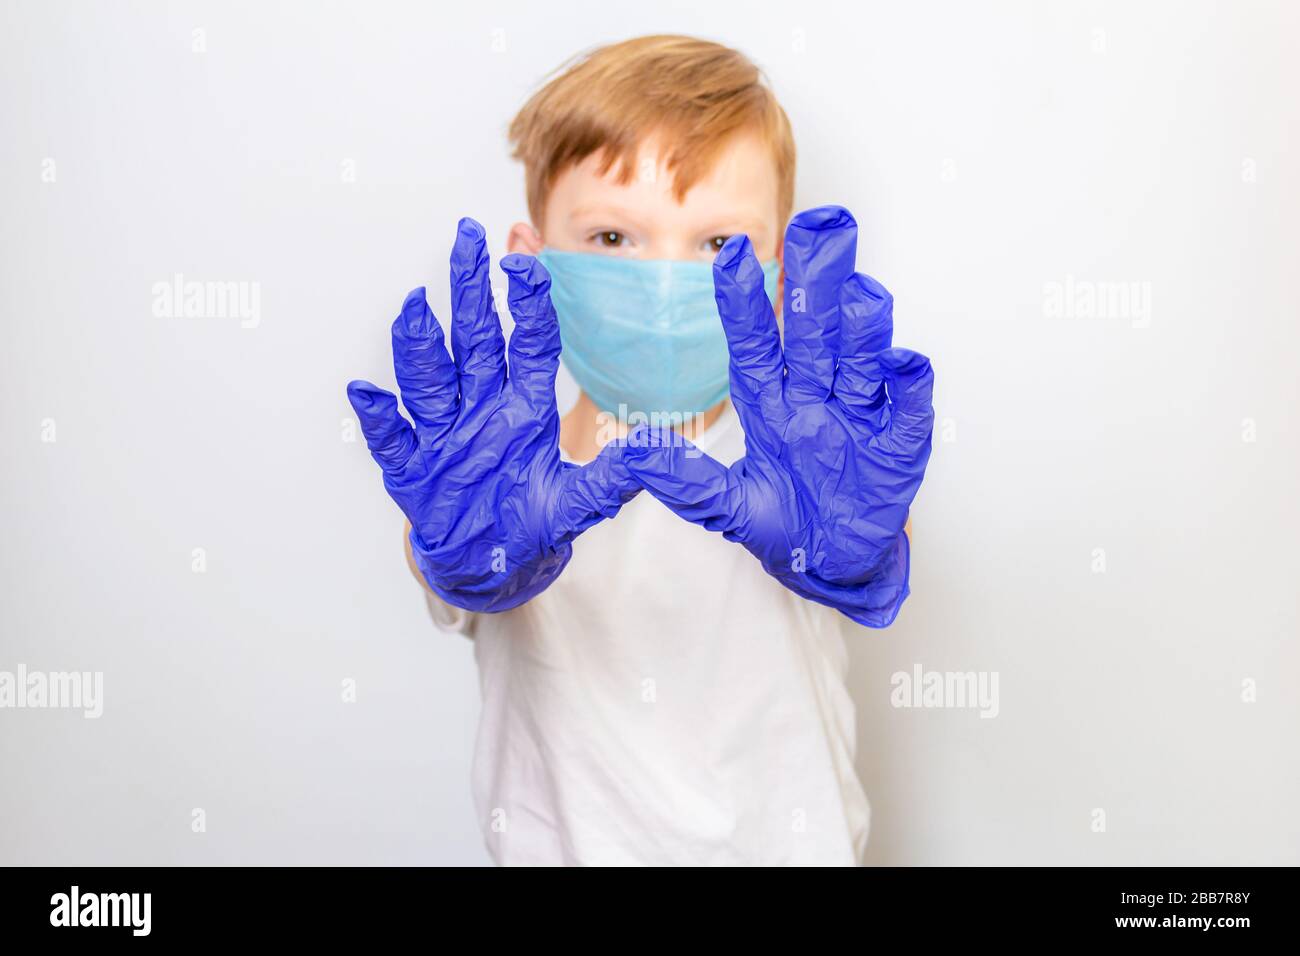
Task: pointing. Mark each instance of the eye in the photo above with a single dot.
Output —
(609, 239)
(715, 244)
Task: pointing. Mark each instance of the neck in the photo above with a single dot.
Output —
(585, 430)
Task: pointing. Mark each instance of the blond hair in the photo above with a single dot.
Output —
(692, 93)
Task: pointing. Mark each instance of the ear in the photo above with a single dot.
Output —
(524, 239)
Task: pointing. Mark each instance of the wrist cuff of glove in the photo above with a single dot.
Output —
(884, 595)
(472, 580)
(873, 604)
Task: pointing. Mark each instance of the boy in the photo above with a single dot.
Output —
(667, 699)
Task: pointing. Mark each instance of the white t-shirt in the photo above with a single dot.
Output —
(665, 701)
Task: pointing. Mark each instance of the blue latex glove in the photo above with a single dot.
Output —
(837, 426)
(491, 505)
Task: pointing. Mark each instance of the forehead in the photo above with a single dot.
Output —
(740, 184)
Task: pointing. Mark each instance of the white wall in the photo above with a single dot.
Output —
(986, 153)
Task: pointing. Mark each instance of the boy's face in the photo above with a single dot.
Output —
(642, 219)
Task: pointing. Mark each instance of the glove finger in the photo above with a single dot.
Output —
(592, 492)
(692, 484)
(476, 338)
(753, 340)
(820, 252)
(389, 437)
(909, 380)
(534, 350)
(866, 329)
(425, 371)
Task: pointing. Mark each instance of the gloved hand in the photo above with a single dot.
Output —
(837, 426)
(492, 507)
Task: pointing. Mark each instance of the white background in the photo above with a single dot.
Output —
(986, 150)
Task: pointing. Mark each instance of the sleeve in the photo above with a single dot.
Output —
(456, 620)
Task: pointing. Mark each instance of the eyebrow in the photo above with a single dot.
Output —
(734, 227)
(602, 211)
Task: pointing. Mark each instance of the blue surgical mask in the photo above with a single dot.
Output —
(642, 333)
